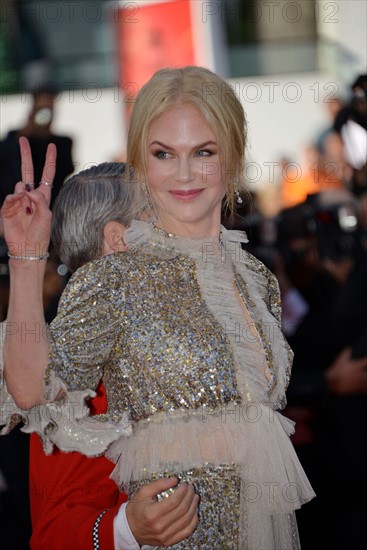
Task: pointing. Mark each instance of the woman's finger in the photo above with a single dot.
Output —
(39, 204)
(49, 168)
(48, 173)
(19, 188)
(26, 161)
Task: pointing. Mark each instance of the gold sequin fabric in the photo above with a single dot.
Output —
(163, 328)
(166, 352)
(219, 488)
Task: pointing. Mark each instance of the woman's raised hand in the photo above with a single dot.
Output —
(25, 214)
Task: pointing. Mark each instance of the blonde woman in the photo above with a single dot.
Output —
(183, 328)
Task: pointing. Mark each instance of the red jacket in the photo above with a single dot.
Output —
(68, 492)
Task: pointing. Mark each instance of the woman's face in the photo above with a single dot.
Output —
(185, 177)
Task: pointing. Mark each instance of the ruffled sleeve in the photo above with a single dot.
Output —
(82, 340)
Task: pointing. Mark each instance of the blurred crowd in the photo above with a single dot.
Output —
(310, 229)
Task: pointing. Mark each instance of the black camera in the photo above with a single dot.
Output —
(337, 227)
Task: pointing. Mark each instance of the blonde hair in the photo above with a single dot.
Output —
(213, 98)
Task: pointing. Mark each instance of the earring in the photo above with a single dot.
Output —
(146, 193)
(149, 207)
(145, 189)
(239, 199)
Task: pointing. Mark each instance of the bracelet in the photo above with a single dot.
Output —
(33, 258)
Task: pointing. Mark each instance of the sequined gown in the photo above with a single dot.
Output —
(185, 334)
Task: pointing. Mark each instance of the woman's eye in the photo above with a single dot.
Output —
(204, 153)
(161, 154)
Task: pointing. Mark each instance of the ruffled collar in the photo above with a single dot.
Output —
(141, 232)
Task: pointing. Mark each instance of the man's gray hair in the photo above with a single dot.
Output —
(86, 202)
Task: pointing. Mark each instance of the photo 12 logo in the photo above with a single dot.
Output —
(270, 12)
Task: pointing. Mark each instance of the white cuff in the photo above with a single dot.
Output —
(123, 537)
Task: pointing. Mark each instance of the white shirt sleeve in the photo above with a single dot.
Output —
(123, 537)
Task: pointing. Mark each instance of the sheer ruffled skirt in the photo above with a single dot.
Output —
(242, 464)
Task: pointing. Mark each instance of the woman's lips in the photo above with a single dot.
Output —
(186, 194)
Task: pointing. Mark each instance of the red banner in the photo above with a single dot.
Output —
(152, 36)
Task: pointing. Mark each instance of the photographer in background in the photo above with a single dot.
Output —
(323, 263)
(38, 130)
(321, 248)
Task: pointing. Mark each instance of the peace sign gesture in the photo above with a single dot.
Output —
(25, 214)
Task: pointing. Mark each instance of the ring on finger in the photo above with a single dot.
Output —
(47, 183)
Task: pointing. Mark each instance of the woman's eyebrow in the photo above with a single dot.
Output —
(199, 146)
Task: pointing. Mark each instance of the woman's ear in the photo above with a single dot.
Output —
(113, 238)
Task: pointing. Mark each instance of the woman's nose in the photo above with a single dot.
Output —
(185, 172)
